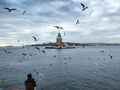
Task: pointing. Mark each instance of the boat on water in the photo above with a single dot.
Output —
(60, 44)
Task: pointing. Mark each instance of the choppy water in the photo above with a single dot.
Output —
(72, 69)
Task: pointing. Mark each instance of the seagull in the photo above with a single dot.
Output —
(65, 63)
(77, 22)
(23, 12)
(102, 51)
(34, 38)
(111, 56)
(24, 54)
(37, 48)
(9, 10)
(51, 64)
(59, 27)
(43, 51)
(84, 7)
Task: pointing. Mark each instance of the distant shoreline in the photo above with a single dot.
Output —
(71, 44)
(78, 44)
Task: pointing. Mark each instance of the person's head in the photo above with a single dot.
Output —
(29, 76)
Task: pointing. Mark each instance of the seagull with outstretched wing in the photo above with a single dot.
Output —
(83, 6)
(58, 27)
(9, 9)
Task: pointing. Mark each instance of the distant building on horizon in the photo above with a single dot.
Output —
(59, 42)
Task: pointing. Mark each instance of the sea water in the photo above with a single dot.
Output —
(89, 68)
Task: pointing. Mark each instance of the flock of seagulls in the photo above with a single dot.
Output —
(40, 75)
(35, 39)
(77, 21)
(58, 27)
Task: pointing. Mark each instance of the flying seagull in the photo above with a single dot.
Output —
(24, 54)
(84, 7)
(37, 48)
(43, 51)
(58, 27)
(111, 56)
(34, 38)
(23, 12)
(77, 22)
(9, 9)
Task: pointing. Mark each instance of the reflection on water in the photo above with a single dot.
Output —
(89, 68)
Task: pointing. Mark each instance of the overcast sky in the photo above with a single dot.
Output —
(102, 25)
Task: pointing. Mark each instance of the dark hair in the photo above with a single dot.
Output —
(29, 75)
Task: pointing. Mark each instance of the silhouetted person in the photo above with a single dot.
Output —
(30, 83)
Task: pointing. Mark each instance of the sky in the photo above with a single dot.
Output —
(100, 22)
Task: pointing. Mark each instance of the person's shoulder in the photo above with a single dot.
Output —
(33, 79)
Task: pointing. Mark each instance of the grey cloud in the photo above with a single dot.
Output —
(42, 15)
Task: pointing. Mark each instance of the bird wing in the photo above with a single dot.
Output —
(37, 48)
(7, 8)
(56, 26)
(13, 9)
(34, 38)
(82, 5)
(61, 28)
(43, 51)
